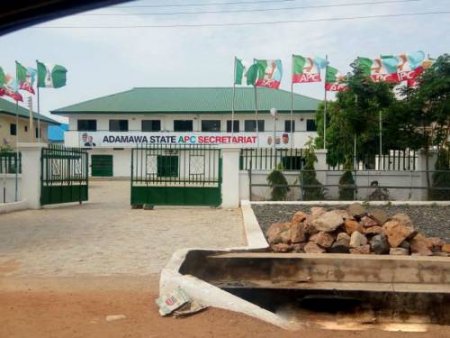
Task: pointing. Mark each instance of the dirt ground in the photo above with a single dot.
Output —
(77, 307)
(45, 291)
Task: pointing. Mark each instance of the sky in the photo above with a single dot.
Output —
(104, 61)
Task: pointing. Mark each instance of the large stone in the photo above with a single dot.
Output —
(398, 252)
(368, 222)
(328, 221)
(323, 239)
(281, 247)
(421, 245)
(357, 239)
(403, 219)
(312, 247)
(277, 232)
(341, 245)
(361, 250)
(343, 213)
(396, 232)
(351, 226)
(309, 227)
(298, 247)
(446, 248)
(298, 233)
(317, 211)
(356, 210)
(437, 243)
(379, 216)
(379, 244)
(375, 230)
(298, 217)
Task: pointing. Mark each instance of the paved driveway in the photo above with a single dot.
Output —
(106, 237)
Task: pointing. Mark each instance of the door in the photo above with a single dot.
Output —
(102, 165)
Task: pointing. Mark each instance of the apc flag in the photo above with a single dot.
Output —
(11, 88)
(334, 80)
(307, 69)
(51, 76)
(2, 82)
(410, 66)
(374, 69)
(265, 73)
(239, 69)
(25, 77)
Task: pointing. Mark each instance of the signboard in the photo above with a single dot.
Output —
(132, 139)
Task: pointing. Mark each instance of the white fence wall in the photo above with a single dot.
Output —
(8, 188)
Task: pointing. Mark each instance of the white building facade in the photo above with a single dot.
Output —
(111, 126)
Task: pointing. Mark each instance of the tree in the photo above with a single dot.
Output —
(355, 113)
(312, 189)
(279, 185)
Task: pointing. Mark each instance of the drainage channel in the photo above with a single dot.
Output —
(332, 291)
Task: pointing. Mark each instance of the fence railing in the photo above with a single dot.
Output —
(371, 185)
(396, 160)
(290, 159)
(10, 163)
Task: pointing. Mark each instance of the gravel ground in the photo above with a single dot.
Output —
(433, 221)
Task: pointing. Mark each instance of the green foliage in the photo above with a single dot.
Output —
(279, 185)
(312, 189)
(441, 178)
(6, 148)
(347, 187)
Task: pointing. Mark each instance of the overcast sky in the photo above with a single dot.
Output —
(105, 61)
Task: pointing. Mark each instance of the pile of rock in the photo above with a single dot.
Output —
(355, 231)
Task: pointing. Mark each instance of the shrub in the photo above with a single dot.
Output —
(279, 185)
(347, 187)
(312, 189)
(440, 187)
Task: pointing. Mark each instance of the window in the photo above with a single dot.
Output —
(167, 166)
(87, 125)
(36, 133)
(151, 125)
(235, 126)
(250, 125)
(182, 125)
(210, 125)
(26, 129)
(118, 125)
(287, 126)
(12, 129)
(311, 125)
(292, 162)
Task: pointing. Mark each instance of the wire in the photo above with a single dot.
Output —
(246, 23)
(255, 10)
(207, 4)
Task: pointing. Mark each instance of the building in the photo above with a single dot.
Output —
(24, 131)
(110, 126)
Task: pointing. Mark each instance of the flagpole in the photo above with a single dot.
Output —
(292, 104)
(30, 109)
(38, 105)
(17, 141)
(325, 111)
(232, 102)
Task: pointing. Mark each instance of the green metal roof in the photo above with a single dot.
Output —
(193, 100)
(9, 108)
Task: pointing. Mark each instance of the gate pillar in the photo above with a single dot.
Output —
(230, 183)
(31, 173)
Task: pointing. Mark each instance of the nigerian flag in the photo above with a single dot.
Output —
(51, 76)
(238, 71)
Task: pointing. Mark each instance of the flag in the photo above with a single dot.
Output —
(239, 69)
(375, 69)
(26, 77)
(410, 66)
(11, 88)
(307, 69)
(265, 73)
(334, 80)
(51, 76)
(2, 82)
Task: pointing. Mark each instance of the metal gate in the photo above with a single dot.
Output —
(64, 175)
(176, 175)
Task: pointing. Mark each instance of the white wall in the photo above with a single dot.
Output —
(8, 188)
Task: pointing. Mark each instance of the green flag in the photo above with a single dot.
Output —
(238, 71)
(51, 76)
(254, 73)
(2, 77)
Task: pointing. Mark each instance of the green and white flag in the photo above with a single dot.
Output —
(51, 76)
(239, 69)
